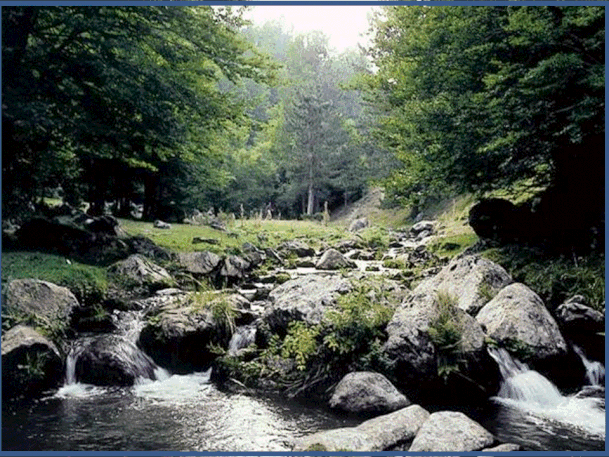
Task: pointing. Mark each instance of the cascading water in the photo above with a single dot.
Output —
(119, 347)
(538, 401)
(595, 371)
(242, 338)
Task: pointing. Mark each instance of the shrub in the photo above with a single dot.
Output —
(446, 333)
(554, 278)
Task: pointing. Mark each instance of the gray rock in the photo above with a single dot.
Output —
(517, 314)
(109, 360)
(583, 326)
(470, 279)
(378, 434)
(297, 247)
(450, 431)
(138, 270)
(253, 255)
(234, 267)
(410, 344)
(303, 299)
(161, 225)
(367, 392)
(336, 440)
(345, 246)
(30, 363)
(199, 263)
(506, 447)
(362, 255)
(334, 260)
(359, 224)
(574, 314)
(179, 331)
(422, 226)
(40, 302)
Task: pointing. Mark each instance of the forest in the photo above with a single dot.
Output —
(184, 108)
(220, 234)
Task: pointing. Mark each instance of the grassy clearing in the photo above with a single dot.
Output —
(89, 283)
(266, 233)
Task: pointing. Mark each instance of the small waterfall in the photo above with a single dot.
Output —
(529, 391)
(523, 384)
(242, 338)
(111, 358)
(595, 371)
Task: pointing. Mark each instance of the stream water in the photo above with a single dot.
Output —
(188, 413)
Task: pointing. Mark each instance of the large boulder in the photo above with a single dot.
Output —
(40, 303)
(334, 260)
(583, 325)
(517, 318)
(450, 431)
(178, 334)
(472, 279)
(31, 363)
(379, 434)
(367, 392)
(303, 299)
(138, 271)
(199, 263)
(495, 219)
(418, 346)
(111, 360)
(71, 240)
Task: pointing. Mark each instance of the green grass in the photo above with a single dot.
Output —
(89, 283)
(554, 279)
(259, 233)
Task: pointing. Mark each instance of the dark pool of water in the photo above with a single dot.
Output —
(182, 413)
(187, 413)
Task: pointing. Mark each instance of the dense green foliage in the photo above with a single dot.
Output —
(487, 97)
(312, 357)
(101, 100)
(554, 278)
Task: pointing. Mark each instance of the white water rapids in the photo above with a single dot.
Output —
(533, 394)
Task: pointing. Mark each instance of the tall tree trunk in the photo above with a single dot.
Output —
(151, 196)
(310, 193)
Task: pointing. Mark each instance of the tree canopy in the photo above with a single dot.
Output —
(88, 89)
(482, 98)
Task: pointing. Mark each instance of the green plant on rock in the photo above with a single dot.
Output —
(519, 349)
(446, 333)
(555, 278)
(300, 343)
(223, 311)
(486, 291)
(33, 369)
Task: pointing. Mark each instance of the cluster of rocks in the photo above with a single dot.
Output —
(399, 425)
(180, 328)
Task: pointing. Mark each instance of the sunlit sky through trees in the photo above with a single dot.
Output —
(344, 25)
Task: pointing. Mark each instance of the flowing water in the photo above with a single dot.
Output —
(595, 371)
(531, 411)
(188, 413)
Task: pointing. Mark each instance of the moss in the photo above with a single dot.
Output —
(89, 283)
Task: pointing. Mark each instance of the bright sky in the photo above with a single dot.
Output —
(344, 25)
